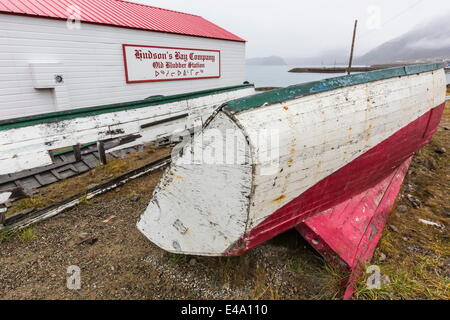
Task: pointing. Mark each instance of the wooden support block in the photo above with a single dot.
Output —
(101, 152)
(77, 152)
(2, 215)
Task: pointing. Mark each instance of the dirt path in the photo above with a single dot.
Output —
(117, 262)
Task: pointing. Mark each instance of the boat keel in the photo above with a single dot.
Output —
(348, 233)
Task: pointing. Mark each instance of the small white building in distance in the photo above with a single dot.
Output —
(65, 55)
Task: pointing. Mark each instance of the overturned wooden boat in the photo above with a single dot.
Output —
(32, 142)
(326, 157)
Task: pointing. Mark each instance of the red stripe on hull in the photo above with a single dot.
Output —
(349, 232)
(361, 174)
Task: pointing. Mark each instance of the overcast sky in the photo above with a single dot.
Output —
(299, 28)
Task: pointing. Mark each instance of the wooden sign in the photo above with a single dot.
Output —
(148, 63)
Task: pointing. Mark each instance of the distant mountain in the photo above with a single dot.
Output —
(329, 58)
(267, 61)
(335, 57)
(431, 40)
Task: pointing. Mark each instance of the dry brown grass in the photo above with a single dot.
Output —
(418, 255)
(34, 202)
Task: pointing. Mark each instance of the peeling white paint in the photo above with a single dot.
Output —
(319, 134)
(194, 200)
(4, 197)
(28, 147)
(322, 133)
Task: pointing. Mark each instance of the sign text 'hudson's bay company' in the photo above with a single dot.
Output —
(147, 63)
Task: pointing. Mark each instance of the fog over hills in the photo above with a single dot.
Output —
(331, 57)
(267, 61)
(426, 41)
(431, 40)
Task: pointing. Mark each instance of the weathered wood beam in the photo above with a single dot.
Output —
(102, 152)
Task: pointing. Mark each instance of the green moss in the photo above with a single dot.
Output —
(30, 203)
(27, 235)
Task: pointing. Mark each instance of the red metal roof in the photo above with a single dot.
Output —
(122, 14)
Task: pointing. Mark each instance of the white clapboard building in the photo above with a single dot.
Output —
(63, 55)
(78, 72)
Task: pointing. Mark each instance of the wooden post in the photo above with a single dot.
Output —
(353, 47)
(2, 217)
(77, 152)
(101, 152)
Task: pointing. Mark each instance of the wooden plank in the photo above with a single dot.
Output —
(91, 111)
(18, 146)
(152, 124)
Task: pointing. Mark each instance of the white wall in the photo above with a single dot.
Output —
(92, 62)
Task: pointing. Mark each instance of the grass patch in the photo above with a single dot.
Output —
(303, 264)
(5, 236)
(84, 199)
(260, 288)
(30, 203)
(177, 259)
(328, 279)
(440, 247)
(27, 235)
(116, 166)
(296, 266)
(418, 256)
(416, 278)
(234, 271)
(334, 280)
